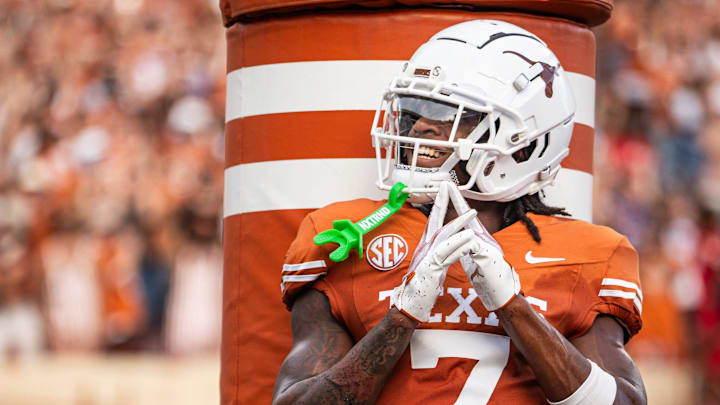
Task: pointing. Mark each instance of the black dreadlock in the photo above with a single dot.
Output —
(517, 210)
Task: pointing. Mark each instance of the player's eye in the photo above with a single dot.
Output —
(407, 122)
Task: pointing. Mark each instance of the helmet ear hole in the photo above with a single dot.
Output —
(488, 169)
(524, 154)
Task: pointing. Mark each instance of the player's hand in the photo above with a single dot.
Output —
(440, 246)
(494, 280)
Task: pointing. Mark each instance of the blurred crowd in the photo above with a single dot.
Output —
(657, 172)
(111, 170)
(111, 162)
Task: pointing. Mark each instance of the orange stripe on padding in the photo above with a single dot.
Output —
(338, 134)
(387, 35)
(582, 146)
(304, 135)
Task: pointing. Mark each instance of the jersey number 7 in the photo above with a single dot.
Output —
(491, 351)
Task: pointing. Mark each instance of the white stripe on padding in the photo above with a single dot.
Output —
(315, 183)
(308, 86)
(584, 91)
(623, 283)
(622, 294)
(301, 278)
(573, 190)
(338, 85)
(303, 266)
(298, 184)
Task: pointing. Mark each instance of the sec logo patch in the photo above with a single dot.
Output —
(386, 252)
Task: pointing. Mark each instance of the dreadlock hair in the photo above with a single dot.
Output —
(517, 210)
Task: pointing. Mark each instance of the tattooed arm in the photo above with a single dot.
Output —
(324, 367)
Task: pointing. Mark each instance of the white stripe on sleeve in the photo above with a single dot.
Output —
(289, 268)
(300, 278)
(623, 283)
(622, 294)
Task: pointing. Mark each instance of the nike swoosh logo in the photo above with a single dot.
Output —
(535, 260)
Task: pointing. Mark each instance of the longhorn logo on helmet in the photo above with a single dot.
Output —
(547, 75)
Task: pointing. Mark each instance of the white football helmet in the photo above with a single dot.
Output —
(484, 94)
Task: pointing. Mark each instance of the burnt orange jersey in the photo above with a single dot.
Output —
(462, 355)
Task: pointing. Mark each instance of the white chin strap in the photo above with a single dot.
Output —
(423, 180)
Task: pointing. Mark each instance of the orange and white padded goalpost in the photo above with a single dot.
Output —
(304, 78)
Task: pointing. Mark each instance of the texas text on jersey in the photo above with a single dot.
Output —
(462, 354)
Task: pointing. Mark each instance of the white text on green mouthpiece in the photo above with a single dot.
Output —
(374, 218)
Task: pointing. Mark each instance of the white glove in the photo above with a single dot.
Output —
(494, 280)
(439, 247)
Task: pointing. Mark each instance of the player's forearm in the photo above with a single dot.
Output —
(358, 378)
(559, 367)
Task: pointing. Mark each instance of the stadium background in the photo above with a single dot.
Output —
(111, 171)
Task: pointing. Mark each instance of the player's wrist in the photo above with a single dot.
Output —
(402, 318)
(514, 304)
(414, 301)
(495, 304)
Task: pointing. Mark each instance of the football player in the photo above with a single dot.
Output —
(503, 301)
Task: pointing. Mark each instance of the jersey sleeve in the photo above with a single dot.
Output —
(615, 291)
(305, 263)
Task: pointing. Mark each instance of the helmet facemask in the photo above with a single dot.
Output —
(424, 128)
(419, 120)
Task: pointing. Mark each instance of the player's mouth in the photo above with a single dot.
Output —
(429, 157)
